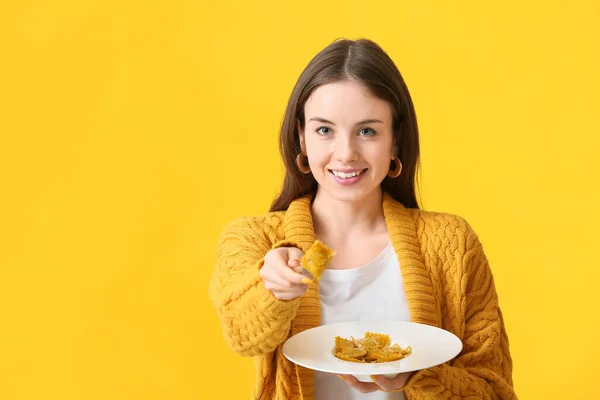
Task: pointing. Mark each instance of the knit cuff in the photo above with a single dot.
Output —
(281, 243)
(284, 243)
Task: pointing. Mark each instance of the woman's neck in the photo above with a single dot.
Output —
(337, 220)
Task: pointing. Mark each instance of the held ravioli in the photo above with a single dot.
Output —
(316, 258)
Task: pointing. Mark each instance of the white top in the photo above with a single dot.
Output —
(375, 290)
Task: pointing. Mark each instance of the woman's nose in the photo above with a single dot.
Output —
(345, 150)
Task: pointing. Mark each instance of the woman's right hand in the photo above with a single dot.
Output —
(282, 275)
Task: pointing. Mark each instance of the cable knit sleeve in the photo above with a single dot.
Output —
(253, 321)
(483, 369)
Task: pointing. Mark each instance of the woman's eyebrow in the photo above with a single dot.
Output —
(366, 121)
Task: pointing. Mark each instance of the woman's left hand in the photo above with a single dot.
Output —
(381, 383)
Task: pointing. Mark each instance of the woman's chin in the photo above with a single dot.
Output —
(348, 194)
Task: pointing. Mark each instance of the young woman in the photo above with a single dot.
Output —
(349, 141)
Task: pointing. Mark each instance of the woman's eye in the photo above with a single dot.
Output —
(324, 130)
(367, 132)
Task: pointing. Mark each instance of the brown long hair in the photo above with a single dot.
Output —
(364, 61)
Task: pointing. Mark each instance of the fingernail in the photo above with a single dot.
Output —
(343, 377)
(374, 377)
(306, 281)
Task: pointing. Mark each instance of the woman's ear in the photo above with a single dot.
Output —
(301, 137)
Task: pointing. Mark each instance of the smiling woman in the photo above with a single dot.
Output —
(375, 106)
(350, 145)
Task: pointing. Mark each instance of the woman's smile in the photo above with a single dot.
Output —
(347, 177)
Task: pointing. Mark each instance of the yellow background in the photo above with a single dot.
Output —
(133, 131)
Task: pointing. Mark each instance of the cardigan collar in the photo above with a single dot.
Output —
(298, 226)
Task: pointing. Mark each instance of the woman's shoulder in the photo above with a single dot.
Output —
(268, 225)
(440, 231)
(440, 223)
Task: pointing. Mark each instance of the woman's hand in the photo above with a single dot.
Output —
(282, 275)
(381, 383)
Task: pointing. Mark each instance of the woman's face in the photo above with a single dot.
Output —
(348, 139)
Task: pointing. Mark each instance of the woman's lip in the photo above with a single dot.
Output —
(347, 171)
(347, 181)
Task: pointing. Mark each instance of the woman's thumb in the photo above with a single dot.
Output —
(294, 256)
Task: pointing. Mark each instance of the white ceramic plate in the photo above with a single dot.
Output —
(314, 347)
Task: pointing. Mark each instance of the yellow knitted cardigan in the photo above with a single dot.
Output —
(447, 280)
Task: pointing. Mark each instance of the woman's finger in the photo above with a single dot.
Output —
(294, 263)
(363, 387)
(388, 385)
(269, 274)
(291, 275)
(277, 263)
(298, 268)
(294, 255)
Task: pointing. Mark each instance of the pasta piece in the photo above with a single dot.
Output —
(316, 258)
(353, 352)
(341, 343)
(373, 348)
(381, 339)
(346, 358)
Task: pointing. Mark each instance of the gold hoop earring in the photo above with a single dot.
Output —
(395, 168)
(302, 163)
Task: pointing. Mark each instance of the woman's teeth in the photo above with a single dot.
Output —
(345, 175)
